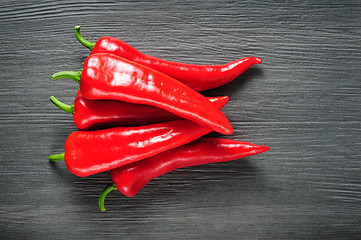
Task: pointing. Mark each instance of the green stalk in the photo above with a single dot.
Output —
(57, 157)
(82, 40)
(67, 74)
(65, 107)
(104, 193)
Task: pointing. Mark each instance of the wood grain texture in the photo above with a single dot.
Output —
(303, 101)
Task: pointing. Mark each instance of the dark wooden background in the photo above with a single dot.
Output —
(303, 101)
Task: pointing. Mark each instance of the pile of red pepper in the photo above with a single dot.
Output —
(140, 117)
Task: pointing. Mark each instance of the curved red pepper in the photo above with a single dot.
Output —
(130, 178)
(96, 114)
(91, 152)
(109, 77)
(198, 77)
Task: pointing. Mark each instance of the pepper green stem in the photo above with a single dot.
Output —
(67, 74)
(57, 157)
(104, 193)
(65, 107)
(82, 40)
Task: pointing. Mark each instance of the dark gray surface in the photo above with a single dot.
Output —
(303, 101)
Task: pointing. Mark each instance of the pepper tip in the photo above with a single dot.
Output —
(228, 130)
(261, 148)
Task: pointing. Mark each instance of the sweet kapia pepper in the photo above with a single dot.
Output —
(198, 77)
(91, 152)
(96, 114)
(130, 178)
(107, 76)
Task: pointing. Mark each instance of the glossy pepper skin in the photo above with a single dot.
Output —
(97, 114)
(130, 178)
(109, 77)
(197, 77)
(91, 152)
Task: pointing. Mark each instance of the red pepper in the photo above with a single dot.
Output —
(130, 178)
(96, 114)
(91, 152)
(109, 77)
(198, 77)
